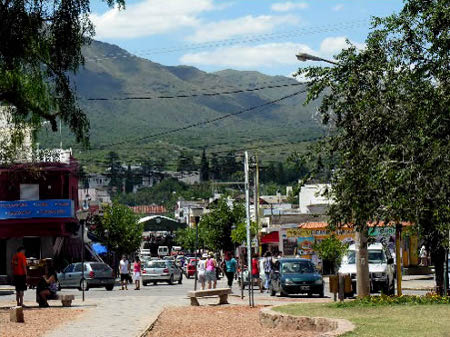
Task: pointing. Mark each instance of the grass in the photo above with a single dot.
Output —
(382, 321)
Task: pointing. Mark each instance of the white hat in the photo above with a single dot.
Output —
(205, 255)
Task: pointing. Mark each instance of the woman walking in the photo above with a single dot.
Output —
(210, 274)
(201, 270)
(230, 268)
(137, 273)
(255, 272)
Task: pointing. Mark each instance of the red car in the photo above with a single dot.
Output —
(190, 268)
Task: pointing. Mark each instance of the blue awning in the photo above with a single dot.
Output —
(99, 248)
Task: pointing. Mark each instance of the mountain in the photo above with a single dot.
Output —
(113, 74)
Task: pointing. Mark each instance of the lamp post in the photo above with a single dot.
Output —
(196, 212)
(82, 216)
(308, 57)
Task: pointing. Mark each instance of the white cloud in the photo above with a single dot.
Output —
(245, 57)
(288, 6)
(245, 25)
(338, 7)
(149, 17)
(332, 45)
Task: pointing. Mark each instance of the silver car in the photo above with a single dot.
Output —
(96, 275)
(161, 271)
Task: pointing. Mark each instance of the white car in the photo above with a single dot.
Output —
(381, 268)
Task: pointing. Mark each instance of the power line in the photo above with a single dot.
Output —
(234, 41)
(229, 92)
(213, 120)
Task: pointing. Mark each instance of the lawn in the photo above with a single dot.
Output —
(390, 320)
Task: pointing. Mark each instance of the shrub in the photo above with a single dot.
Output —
(430, 298)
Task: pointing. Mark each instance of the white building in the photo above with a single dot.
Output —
(312, 200)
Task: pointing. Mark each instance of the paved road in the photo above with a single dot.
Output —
(128, 313)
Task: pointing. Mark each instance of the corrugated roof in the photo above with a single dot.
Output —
(149, 209)
(324, 225)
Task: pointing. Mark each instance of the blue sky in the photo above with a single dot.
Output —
(257, 35)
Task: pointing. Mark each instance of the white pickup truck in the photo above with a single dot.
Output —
(381, 268)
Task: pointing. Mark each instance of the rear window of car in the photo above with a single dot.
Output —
(100, 267)
(156, 264)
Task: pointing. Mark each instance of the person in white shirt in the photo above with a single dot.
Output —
(124, 272)
(201, 270)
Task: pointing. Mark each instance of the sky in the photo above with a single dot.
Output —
(259, 35)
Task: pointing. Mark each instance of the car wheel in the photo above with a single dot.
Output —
(109, 287)
(180, 281)
(188, 276)
(309, 294)
(272, 291)
(144, 283)
(155, 283)
(283, 293)
(170, 280)
(322, 294)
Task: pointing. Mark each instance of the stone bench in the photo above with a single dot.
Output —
(221, 292)
(66, 300)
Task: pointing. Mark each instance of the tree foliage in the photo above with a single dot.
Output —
(387, 108)
(331, 249)
(239, 234)
(40, 48)
(119, 229)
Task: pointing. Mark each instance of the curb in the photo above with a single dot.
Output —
(150, 326)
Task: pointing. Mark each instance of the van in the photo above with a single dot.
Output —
(163, 251)
(381, 268)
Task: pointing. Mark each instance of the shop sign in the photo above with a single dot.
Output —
(55, 208)
(297, 232)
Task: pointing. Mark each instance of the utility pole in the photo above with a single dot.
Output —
(398, 257)
(256, 201)
(249, 244)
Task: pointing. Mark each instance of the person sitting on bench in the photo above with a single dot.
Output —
(46, 288)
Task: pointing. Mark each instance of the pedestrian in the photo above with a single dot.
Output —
(124, 272)
(137, 273)
(423, 256)
(230, 268)
(255, 272)
(268, 268)
(19, 267)
(201, 270)
(210, 274)
(46, 288)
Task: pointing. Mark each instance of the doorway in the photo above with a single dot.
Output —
(3, 257)
(32, 247)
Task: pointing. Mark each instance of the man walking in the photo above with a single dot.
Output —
(268, 268)
(124, 272)
(19, 267)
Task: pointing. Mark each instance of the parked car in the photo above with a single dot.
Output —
(296, 276)
(381, 268)
(161, 271)
(96, 275)
(191, 268)
(163, 251)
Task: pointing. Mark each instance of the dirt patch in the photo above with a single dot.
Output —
(216, 321)
(37, 321)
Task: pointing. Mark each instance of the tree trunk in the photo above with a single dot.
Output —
(438, 259)
(362, 265)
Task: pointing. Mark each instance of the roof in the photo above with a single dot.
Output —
(149, 209)
(293, 259)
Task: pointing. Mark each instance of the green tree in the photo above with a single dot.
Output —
(120, 230)
(387, 108)
(215, 167)
(186, 162)
(41, 46)
(204, 167)
(216, 226)
(332, 250)
(115, 172)
(239, 234)
(129, 180)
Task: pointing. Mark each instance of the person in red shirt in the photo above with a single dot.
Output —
(255, 271)
(19, 267)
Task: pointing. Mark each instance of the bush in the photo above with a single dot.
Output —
(430, 298)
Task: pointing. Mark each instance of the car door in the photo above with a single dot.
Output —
(76, 276)
(65, 276)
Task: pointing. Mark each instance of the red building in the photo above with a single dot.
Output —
(38, 204)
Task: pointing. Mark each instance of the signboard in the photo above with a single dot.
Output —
(21, 209)
(297, 232)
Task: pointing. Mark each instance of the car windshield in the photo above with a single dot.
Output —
(156, 264)
(297, 267)
(375, 256)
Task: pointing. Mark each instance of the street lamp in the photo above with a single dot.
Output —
(196, 212)
(307, 57)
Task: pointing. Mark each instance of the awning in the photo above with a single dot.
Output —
(37, 227)
(272, 237)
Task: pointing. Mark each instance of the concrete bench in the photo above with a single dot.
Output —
(221, 292)
(66, 300)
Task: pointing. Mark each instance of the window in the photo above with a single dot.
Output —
(29, 191)
(77, 268)
(100, 267)
(297, 267)
(156, 264)
(69, 268)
